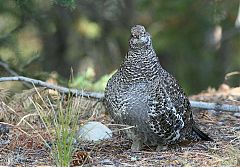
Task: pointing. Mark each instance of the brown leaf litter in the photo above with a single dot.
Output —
(28, 149)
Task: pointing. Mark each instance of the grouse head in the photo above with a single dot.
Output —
(140, 39)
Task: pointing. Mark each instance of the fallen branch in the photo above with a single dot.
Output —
(55, 87)
(12, 72)
(215, 106)
(95, 95)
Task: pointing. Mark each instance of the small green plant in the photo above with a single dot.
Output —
(61, 122)
(87, 81)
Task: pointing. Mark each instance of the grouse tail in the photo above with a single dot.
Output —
(201, 134)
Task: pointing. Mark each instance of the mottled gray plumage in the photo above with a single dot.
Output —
(142, 94)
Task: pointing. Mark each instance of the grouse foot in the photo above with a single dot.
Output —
(161, 148)
(137, 144)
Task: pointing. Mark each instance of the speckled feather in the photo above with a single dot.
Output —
(142, 94)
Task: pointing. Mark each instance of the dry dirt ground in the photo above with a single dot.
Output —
(20, 149)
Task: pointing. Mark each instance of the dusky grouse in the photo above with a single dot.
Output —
(142, 94)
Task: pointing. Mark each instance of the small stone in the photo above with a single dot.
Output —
(237, 114)
(94, 131)
(4, 129)
(4, 140)
(237, 128)
(221, 123)
(106, 162)
(134, 158)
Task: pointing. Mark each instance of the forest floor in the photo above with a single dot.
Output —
(18, 148)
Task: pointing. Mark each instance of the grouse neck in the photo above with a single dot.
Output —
(140, 65)
(141, 55)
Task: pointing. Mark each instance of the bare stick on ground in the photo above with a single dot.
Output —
(215, 106)
(12, 72)
(100, 96)
(55, 87)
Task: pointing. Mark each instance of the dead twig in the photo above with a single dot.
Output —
(55, 87)
(100, 96)
(215, 106)
(228, 75)
(12, 72)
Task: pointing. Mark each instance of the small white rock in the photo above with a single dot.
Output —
(134, 158)
(237, 114)
(107, 163)
(94, 131)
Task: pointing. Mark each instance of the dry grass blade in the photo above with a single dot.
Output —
(4, 94)
(228, 75)
(23, 118)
